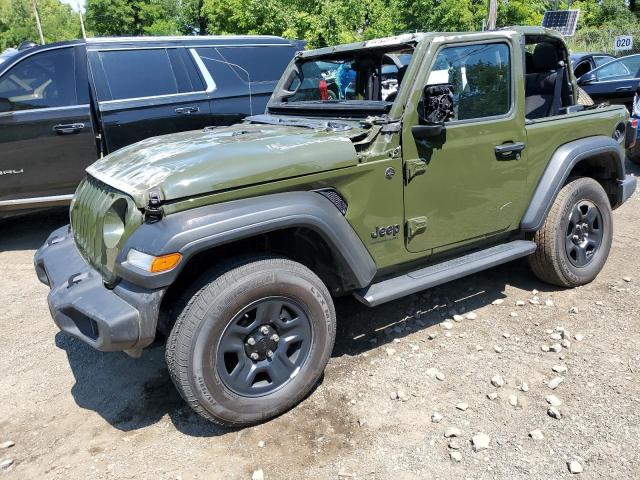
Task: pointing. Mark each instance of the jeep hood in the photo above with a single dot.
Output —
(205, 161)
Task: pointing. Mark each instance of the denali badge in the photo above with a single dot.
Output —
(389, 231)
(11, 172)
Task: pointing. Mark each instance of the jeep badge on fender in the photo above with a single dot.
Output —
(389, 231)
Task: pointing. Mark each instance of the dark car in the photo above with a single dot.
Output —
(66, 104)
(583, 62)
(615, 82)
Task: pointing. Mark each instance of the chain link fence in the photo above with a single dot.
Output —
(603, 41)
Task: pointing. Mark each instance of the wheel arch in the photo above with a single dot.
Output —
(284, 220)
(598, 157)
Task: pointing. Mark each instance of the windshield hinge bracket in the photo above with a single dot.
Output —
(413, 168)
(416, 226)
(153, 211)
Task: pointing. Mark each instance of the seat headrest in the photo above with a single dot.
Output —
(545, 57)
(528, 62)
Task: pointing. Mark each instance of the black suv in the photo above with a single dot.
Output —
(65, 104)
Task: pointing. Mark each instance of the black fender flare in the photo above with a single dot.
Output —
(562, 162)
(202, 228)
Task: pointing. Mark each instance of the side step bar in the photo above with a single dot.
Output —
(444, 272)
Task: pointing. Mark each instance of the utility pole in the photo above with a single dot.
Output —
(493, 14)
(38, 26)
(84, 33)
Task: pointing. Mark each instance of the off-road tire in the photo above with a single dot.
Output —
(209, 308)
(551, 263)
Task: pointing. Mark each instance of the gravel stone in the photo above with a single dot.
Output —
(554, 382)
(555, 336)
(7, 444)
(480, 441)
(520, 303)
(433, 335)
(6, 463)
(549, 303)
(497, 381)
(559, 368)
(447, 325)
(578, 337)
(458, 318)
(498, 301)
(544, 348)
(536, 435)
(513, 400)
(455, 456)
(261, 444)
(553, 401)
(506, 335)
(390, 351)
(497, 349)
(575, 467)
(440, 376)
(553, 412)
(436, 417)
(565, 344)
(402, 395)
(626, 279)
(454, 444)
(492, 395)
(556, 347)
(472, 316)
(513, 315)
(573, 310)
(393, 395)
(524, 387)
(450, 432)
(462, 406)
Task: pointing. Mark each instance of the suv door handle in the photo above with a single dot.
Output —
(67, 128)
(623, 89)
(186, 110)
(509, 151)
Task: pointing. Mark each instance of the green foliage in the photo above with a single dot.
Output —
(133, 17)
(320, 22)
(17, 22)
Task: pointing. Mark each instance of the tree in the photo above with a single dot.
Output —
(132, 17)
(17, 22)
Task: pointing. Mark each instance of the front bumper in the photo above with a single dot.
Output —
(123, 318)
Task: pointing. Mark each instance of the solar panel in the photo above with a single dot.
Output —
(562, 21)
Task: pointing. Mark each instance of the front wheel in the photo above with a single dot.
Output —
(252, 341)
(574, 242)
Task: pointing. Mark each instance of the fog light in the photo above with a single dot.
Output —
(150, 263)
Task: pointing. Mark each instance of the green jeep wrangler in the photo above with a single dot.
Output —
(435, 156)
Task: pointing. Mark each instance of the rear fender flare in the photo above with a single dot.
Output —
(562, 162)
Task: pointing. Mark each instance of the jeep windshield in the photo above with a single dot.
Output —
(352, 83)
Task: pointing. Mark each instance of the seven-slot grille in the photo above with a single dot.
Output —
(91, 201)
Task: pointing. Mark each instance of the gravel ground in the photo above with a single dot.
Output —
(76, 413)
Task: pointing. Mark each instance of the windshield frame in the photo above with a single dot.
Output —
(349, 108)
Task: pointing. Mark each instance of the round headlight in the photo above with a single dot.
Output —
(113, 223)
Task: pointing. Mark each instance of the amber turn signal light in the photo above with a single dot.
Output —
(165, 262)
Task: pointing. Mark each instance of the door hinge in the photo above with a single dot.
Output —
(416, 226)
(413, 168)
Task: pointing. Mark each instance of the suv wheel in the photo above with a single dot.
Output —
(574, 242)
(252, 340)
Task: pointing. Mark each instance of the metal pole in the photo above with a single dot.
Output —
(38, 25)
(84, 33)
(493, 14)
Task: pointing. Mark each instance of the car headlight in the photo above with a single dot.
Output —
(113, 223)
(153, 264)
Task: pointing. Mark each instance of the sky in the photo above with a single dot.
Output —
(74, 3)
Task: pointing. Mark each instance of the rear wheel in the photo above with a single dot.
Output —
(574, 242)
(252, 341)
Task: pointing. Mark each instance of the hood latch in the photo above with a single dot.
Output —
(153, 211)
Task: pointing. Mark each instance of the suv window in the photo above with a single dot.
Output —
(481, 79)
(264, 64)
(138, 73)
(43, 80)
(229, 81)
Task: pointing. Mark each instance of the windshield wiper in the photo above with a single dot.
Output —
(294, 122)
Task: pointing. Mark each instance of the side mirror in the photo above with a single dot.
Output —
(587, 78)
(435, 108)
